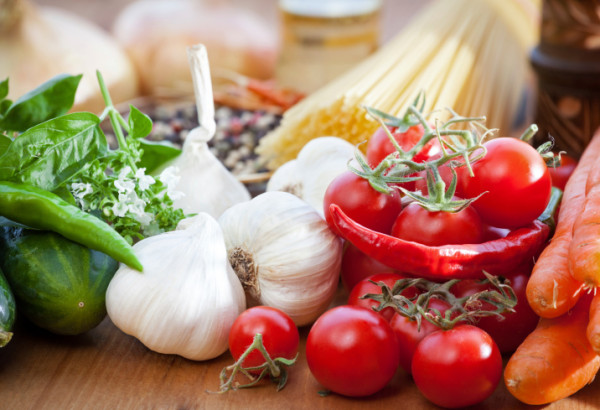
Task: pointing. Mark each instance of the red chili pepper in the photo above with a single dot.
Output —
(449, 261)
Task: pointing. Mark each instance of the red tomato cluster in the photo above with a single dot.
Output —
(355, 350)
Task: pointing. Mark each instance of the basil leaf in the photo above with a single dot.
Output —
(51, 153)
(140, 125)
(4, 106)
(51, 99)
(4, 89)
(4, 143)
(156, 154)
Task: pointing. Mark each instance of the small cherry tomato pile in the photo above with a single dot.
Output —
(446, 203)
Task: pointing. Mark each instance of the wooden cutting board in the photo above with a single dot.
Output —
(106, 369)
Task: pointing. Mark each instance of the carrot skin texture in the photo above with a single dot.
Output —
(555, 360)
(552, 290)
(593, 328)
(584, 251)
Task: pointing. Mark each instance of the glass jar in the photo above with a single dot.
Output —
(320, 39)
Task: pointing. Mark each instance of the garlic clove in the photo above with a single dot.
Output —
(205, 183)
(318, 163)
(188, 296)
(284, 254)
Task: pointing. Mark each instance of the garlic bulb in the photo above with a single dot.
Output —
(188, 296)
(317, 164)
(284, 254)
(206, 185)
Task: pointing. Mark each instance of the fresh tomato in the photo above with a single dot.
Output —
(514, 181)
(409, 333)
(560, 174)
(280, 335)
(380, 146)
(417, 224)
(355, 196)
(457, 367)
(352, 351)
(365, 287)
(445, 173)
(357, 266)
(512, 328)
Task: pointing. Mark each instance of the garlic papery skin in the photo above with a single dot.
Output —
(284, 254)
(318, 163)
(187, 297)
(203, 182)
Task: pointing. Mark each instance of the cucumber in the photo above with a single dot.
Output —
(7, 311)
(58, 285)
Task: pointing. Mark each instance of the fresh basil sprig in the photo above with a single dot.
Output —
(68, 154)
(54, 151)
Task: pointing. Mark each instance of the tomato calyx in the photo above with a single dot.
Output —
(272, 367)
(461, 309)
(439, 198)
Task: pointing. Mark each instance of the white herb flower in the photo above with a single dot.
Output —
(170, 178)
(79, 191)
(144, 181)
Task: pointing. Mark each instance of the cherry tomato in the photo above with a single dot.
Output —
(352, 351)
(560, 174)
(357, 266)
(457, 367)
(446, 175)
(417, 224)
(508, 333)
(280, 335)
(409, 333)
(355, 196)
(365, 287)
(380, 146)
(514, 181)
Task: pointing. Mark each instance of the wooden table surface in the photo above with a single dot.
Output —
(107, 369)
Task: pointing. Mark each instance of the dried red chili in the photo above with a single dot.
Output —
(449, 261)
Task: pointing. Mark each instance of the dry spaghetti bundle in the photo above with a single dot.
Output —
(471, 55)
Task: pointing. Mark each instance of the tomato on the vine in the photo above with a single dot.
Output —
(512, 328)
(457, 367)
(280, 335)
(561, 173)
(409, 333)
(355, 196)
(352, 351)
(379, 146)
(436, 228)
(514, 182)
(365, 287)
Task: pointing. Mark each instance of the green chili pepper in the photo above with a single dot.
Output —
(42, 209)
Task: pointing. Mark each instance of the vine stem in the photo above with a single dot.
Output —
(115, 120)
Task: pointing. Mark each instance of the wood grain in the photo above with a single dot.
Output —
(107, 369)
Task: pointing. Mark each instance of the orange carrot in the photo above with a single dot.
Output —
(555, 360)
(584, 250)
(552, 290)
(593, 328)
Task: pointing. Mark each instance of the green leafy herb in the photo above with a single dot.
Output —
(3, 89)
(49, 100)
(156, 154)
(4, 143)
(54, 151)
(134, 203)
